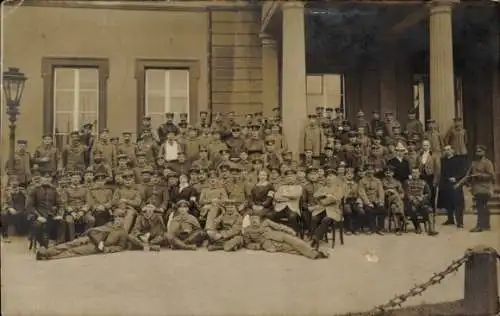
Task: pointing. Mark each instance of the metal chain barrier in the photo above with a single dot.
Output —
(418, 289)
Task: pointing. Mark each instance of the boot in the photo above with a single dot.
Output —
(416, 224)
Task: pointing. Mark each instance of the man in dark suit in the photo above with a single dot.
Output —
(451, 198)
(400, 164)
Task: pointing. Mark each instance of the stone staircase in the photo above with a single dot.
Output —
(235, 62)
(469, 203)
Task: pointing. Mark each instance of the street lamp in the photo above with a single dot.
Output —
(13, 86)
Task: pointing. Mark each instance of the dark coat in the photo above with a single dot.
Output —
(402, 169)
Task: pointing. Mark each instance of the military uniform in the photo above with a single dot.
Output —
(74, 154)
(434, 137)
(456, 137)
(47, 157)
(482, 183)
(107, 150)
(273, 237)
(149, 228)
(127, 147)
(287, 198)
(183, 229)
(127, 198)
(417, 201)
(371, 192)
(13, 208)
(210, 197)
(167, 127)
(100, 200)
(22, 163)
(312, 138)
(226, 232)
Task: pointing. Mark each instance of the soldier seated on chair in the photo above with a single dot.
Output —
(76, 208)
(183, 229)
(127, 198)
(287, 198)
(371, 193)
(149, 229)
(226, 231)
(13, 207)
(353, 211)
(417, 194)
(264, 234)
(100, 199)
(394, 194)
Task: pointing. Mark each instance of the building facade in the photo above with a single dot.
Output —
(113, 62)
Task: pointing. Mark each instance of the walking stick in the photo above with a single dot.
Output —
(433, 231)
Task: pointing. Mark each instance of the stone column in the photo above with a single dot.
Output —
(270, 82)
(294, 107)
(442, 77)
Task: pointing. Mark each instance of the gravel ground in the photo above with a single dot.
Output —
(243, 283)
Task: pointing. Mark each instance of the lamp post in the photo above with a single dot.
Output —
(13, 85)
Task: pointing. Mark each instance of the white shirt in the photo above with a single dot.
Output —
(425, 157)
(171, 151)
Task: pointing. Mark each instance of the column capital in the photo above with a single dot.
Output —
(267, 40)
(293, 5)
(441, 6)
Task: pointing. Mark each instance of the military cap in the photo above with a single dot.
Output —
(194, 169)
(47, 135)
(342, 164)
(122, 156)
(147, 170)
(270, 142)
(89, 170)
(183, 115)
(126, 133)
(225, 167)
(257, 160)
(328, 148)
(329, 109)
(169, 114)
(412, 142)
(100, 175)
(412, 111)
(234, 159)
(289, 171)
(171, 173)
(182, 203)
(74, 133)
(312, 169)
(147, 118)
(457, 119)
(22, 141)
(255, 125)
(127, 173)
(352, 134)
(287, 152)
(400, 146)
(346, 123)
(312, 115)
(234, 167)
(388, 113)
(319, 108)
(223, 151)
(273, 168)
(338, 110)
(203, 112)
(114, 138)
(140, 154)
(212, 173)
(203, 148)
(429, 121)
(35, 169)
(74, 173)
(183, 124)
(369, 167)
(236, 128)
(88, 125)
(379, 130)
(360, 114)
(481, 147)
(230, 202)
(105, 130)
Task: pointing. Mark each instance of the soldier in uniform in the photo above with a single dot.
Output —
(413, 126)
(362, 122)
(183, 229)
(191, 144)
(394, 194)
(308, 160)
(482, 180)
(273, 237)
(147, 127)
(417, 202)
(149, 229)
(127, 198)
(22, 163)
(348, 148)
(390, 123)
(148, 146)
(210, 198)
(287, 198)
(377, 123)
(167, 127)
(280, 142)
(123, 166)
(433, 135)
(235, 187)
(378, 155)
(127, 147)
(226, 231)
(203, 161)
(73, 155)
(329, 160)
(99, 199)
(235, 143)
(312, 137)
(47, 156)
(75, 207)
(100, 166)
(457, 138)
(215, 147)
(371, 192)
(364, 140)
(105, 148)
(271, 158)
(412, 155)
(104, 239)
(13, 207)
(254, 145)
(44, 203)
(204, 120)
(88, 177)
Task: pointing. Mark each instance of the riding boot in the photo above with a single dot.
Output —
(416, 224)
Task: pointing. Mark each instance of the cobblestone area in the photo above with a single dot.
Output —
(244, 283)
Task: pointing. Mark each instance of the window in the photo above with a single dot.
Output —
(166, 86)
(325, 90)
(76, 100)
(74, 93)
(167, 90)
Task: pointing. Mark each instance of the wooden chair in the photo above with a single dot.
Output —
(337, 225)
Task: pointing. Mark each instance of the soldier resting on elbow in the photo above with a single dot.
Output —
(149, 229)
(109, 238)
(226, 232)
(273, 237)
(417, 201)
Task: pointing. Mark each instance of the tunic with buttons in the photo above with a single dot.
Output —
(73, 157)
(417, 190)
(75, 196)
(371, 191)
(99, 195)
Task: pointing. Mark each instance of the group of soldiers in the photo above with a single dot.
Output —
(230, 186)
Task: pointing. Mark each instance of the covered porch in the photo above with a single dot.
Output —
(440, 56)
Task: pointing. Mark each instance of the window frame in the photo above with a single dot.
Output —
(49, 64)
(193, 68)
(343, 94)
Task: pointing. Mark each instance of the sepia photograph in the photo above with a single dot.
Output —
(250, 158)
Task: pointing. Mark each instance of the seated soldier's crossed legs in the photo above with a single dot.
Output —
(354, 216)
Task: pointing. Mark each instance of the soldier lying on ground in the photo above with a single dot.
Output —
(109, 238)
(226, 232)
(183, 229)
(273, 237)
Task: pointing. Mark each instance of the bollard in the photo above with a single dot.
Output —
(481, 282)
